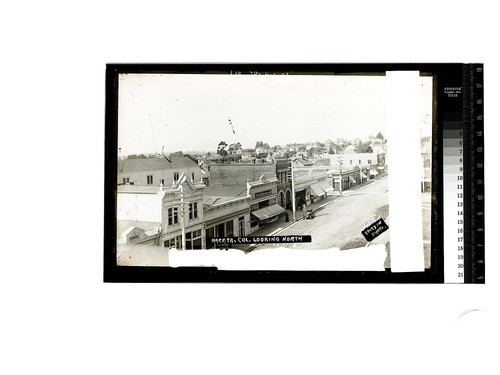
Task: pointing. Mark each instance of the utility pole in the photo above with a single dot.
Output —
(340, 173)
(183, 224)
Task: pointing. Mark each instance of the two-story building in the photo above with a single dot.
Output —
(226, 213)
(264, 207)
(283, 174)
(310, 184)
(156, 171)
(181, 216)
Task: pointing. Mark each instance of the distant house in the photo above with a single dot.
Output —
(352, 159)
(157, 171)
(302, 162)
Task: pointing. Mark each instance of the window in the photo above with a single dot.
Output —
(360, 162)
(162, 181)
(173, 218)
(219, 230)
(241, 226)
(192, 176)
(351, 161)
(175, 242)
(176, 176)
(193, 240)
(229, 228)
(209, 233)
(263, 204)
(150, 179)
(369, 161)
(135, 237)
(193, 210)
(126, 180)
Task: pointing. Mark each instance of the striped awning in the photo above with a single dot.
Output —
(363, 175)
(352, 180)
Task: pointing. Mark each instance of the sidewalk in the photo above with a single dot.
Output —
(279, 225)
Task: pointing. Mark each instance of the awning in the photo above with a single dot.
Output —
(352, 180)
(275, 209)
(262, 214)
(268, 212)
(373, 172)
(326, 186)
(316, 190)
(363, 175)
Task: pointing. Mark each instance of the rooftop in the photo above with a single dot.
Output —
(138, 189)
(233, 191)
(151, 164)
(124, 225)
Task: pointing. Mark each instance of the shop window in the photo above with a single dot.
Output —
(229, 229)
(209, 233)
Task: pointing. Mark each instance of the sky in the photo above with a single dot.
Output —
(194, 112)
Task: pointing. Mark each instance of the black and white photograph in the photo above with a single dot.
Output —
(241, 188)
(261, 170)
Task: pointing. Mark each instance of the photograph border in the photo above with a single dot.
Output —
(444, 74)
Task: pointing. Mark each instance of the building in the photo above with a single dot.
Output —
(226, 213)
(156, 171)
(139, 216)
(259, 182)
(354, 159)
(182, 216)
(283, 174)
(264, 207)
(310, 183)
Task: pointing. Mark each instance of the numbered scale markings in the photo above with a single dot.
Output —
(463, 186)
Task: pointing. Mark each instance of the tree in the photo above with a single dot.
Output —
(263, 145)
(234, 147)
(176, 154)
(364, 148)
(380, 136)
(221, 150)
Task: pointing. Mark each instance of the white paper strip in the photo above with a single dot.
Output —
(404, 161)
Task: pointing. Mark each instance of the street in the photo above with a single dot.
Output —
(340, 224)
